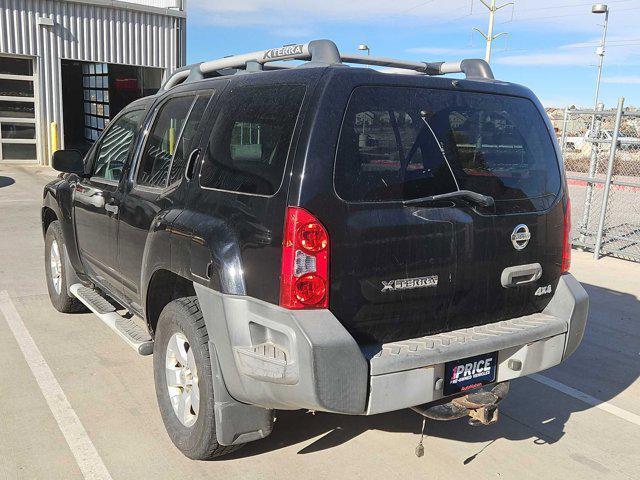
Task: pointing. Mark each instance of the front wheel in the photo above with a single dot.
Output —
(183, 380)
(55, 268)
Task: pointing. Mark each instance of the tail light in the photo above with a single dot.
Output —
(304, 277)
(566, 242)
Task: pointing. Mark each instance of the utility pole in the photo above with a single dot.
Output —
(489, 36)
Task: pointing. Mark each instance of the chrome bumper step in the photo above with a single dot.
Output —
(133, 334)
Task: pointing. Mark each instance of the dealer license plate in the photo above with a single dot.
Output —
(469, 373)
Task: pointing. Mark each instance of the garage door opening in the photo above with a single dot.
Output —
(17, 110)
(94, 93)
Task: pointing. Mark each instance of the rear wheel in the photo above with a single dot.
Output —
(183, 380)
(55, 269)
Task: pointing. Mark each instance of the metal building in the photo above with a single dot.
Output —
(67, 67)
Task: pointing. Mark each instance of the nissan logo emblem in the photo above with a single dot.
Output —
(520, 237)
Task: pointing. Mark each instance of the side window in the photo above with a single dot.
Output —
(114, 147)
(185, 144)
(155, 163)
(250, 140)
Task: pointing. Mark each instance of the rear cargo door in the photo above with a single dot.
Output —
(408, 264)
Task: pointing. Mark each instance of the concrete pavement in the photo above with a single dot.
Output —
(543, 431)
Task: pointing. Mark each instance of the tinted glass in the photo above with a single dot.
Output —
(162, 141)
(16, 66)
(18, 151)
(250, 140)
(16, 88)
(9, 108)
(406, 143)
(387, 155)
(115, 145)
(18, 130)
(185, 145)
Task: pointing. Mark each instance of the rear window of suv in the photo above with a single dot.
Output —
(400, 143)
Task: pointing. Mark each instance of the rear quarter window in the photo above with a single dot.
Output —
(250, 139)
(401, 143)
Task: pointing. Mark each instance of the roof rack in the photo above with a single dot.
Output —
(318, 53)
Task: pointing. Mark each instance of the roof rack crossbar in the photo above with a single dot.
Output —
(422, 67)
(471, 67)
(323, 52)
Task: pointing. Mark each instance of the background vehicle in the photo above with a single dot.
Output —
(322, 237)
(626, 141)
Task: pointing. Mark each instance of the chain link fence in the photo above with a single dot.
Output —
(601, 150)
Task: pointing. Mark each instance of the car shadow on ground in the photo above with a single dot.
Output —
(6, 181)
(532, 411)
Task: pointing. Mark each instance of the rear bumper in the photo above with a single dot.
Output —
(284, 359)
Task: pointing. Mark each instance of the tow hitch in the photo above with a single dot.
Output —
(481, 406)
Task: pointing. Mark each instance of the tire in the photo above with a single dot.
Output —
(56, 272)
(181, 321)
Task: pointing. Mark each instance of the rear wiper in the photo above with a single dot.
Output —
(475, 197)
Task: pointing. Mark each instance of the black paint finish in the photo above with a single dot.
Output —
(232, 241)
(466, 246)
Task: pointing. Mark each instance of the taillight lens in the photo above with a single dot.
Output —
(304, 277)
(312, 237)
(310, 289)
(566, 242)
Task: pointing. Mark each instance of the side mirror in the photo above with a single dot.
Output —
(68, 161)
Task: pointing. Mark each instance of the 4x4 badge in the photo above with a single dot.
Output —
(542, 291)
(409, 283)
(520, 236)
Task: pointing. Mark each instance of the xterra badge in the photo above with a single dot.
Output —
(282, 52)
(409, 283)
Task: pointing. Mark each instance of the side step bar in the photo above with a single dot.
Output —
(132, 333)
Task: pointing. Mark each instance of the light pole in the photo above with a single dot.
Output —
(600, 8)
(594, 130)
(362, 47)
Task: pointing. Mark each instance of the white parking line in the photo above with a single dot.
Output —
(82, 448)
(19, 200)
(586, 398)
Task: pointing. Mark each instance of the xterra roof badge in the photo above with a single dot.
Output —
(520, 237)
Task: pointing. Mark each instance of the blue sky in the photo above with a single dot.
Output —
(550, 46)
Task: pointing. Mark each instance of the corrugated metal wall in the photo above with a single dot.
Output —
(158, 3)
(85, 32)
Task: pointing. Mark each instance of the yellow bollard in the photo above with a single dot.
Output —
(53, 137)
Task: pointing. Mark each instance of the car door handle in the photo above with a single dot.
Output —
(88, 196)
(191, 162)
(111, 207)
(520, 275)
(97, 200)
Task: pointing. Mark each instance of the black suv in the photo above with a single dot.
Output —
(322, 237)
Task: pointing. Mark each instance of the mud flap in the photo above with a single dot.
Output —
(236, 422)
